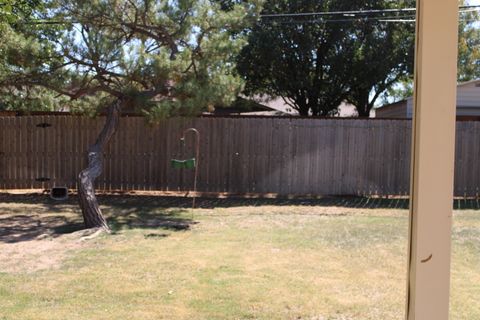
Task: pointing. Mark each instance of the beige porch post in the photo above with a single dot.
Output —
(432, 160)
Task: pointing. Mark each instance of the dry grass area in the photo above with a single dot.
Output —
(333, 259)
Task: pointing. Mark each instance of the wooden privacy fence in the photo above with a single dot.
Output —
(286, 156)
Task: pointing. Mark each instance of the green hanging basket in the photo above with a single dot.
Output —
(183, 164)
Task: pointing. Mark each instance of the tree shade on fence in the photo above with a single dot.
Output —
(285, 156)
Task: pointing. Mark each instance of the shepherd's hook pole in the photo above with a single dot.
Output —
(197, 159)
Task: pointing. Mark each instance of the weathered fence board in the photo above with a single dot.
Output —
(284, 156)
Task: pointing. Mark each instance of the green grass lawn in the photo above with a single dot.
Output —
(246, 260)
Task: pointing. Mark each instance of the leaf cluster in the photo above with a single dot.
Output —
(159, 57)
(315, 63)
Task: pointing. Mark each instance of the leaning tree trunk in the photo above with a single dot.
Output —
(92, 215)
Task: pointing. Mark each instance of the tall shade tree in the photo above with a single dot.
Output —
(382, 55)
(315, 62)
(295, 59)
(159, 57)
(468, 56)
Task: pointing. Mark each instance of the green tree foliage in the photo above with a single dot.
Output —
(24, 45)
(13, 10)
(469, 46)
(400, 91)
(316, 63)
(468, 57)
(162, 56)
(297, 61)
(383, 55)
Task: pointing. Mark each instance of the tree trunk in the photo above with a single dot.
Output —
(92, 215)
(363, 112)
(361, 104)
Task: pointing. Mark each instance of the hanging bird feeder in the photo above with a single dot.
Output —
(191, 163)
(184, 164)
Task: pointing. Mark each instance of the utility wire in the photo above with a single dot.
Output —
(383, 19)
(408, 16)
(347, 16)
(333, 13)
(320, 20)
(357, 12)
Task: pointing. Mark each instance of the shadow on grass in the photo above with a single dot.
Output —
(50, 219)
(146, 202)
(232, 202)
(328, 201)
(147, 217)
(23, 227)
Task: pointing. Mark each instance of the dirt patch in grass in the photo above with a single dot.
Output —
(37, 233)
(32, 234)
(35, 255)
(331, 258)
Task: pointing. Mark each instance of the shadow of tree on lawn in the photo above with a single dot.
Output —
(23, 227)
(25, 217)
(326, 201)
(143, 217)
(35, 217)
(149, 203)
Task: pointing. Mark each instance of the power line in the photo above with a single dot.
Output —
(398, 20)
(390, 19)
(383, 19)
(347, 16)
(356, 12)
(333, 13)
(406, 15)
